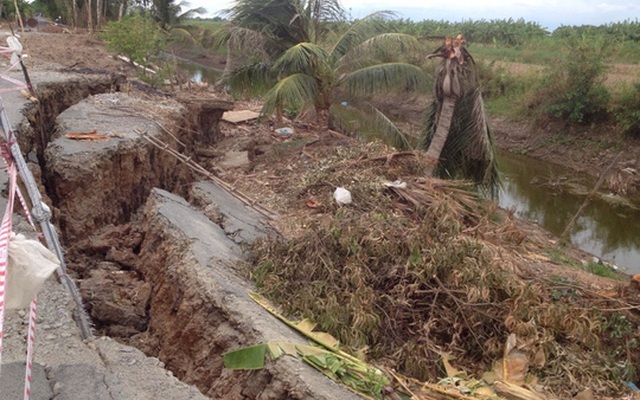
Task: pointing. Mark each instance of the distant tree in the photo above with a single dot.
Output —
(137, 37)
(169, 13)
(8, 8)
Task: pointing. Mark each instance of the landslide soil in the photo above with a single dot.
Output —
(276, 161)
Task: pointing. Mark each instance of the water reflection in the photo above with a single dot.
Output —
(551, 195)
(199, 73)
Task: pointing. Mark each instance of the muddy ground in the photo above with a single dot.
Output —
(255, 160)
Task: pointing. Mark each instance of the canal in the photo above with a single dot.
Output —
(550, 195)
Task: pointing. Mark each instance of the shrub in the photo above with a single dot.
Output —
(136, 37)
(627, 110)
(573, 90)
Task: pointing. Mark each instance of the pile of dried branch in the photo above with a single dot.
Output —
(409, 274)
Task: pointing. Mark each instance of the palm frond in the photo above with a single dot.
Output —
(379, 48)
(250, 79)
(247, 41)
(272, 18)
(383, 78)
(297, 91)
(316, 16)
(181, 35)
(303, 57)
(469, 152)
(190, 13)
(380, 123)
(217, 39)
(361, 30)
(365, 120)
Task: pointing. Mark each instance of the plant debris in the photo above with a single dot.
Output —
(406, 274)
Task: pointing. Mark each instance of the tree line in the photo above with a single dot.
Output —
(93, 14)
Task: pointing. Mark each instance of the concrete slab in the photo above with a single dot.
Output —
(216, 314)
(12, 382)
(240, 116)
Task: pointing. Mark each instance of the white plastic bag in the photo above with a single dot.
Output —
(342, 196)
(15, 45)
(30, 264)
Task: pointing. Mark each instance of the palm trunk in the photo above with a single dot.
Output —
(442, 132)
(89, 15)
(98, 13)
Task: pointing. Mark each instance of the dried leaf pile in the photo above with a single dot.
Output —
(405, 275)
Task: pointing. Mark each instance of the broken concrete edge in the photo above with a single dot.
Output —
(203, 323)
(200, 306)
(65, 367)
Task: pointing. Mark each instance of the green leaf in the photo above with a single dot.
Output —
(246, 358)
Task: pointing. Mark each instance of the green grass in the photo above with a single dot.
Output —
(210, 24)
(602, 270)
(558, 256)
(540, 52)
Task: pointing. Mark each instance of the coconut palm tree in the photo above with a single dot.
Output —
(169, 13)
(313, 60)
(457, 136)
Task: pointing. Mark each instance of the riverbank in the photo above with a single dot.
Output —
(589, 149)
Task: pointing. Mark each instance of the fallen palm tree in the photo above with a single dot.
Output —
(456, 134)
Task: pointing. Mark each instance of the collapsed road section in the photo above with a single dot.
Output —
(155, 249)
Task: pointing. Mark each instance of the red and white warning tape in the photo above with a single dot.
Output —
(31, 340)
(7, 51)
(6, 227)
(5, 233)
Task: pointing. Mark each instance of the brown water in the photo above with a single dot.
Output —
(551, 195)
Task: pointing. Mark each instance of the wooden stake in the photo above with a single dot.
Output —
(586, 201)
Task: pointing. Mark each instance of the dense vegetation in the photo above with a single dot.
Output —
(564, 79)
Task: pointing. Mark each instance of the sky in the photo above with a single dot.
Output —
(548, 13)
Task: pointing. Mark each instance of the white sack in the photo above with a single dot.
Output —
(16, 46)
(30, 264)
